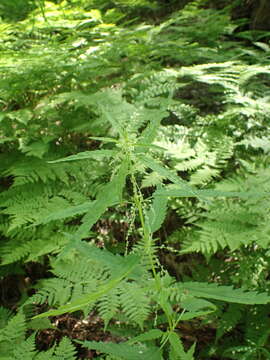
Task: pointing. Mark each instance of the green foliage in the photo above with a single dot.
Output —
(234, 223)
(224, 293)
(16, 344)
(132, 143)
(16, 10)
(125, 351)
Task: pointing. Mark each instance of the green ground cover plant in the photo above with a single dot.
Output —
(134, 186)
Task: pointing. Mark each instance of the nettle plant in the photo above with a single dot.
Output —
(131, 287)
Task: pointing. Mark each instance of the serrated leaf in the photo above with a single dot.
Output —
(147, 336)
(157, 212)
(86, 155)
(124, 350)
(178, 348)
(223, 293)
(175, 192)
(68, 212)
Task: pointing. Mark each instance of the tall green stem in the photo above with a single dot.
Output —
(138, 200)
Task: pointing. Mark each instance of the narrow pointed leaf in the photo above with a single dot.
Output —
(147, 336)
(157, 212)
(125, 351)
(87, 155)
(223, 293)
(178, 192)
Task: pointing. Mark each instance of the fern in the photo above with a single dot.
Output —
(15, 344)
(110, 293)
(26, 349)
(71, 282)
(109, 306)
(31, 245)
(151, 118)
(229, 320)
(234, 224)
(257, 142)
(135, 303)
(13, 332)
(5, 316)
(65, 350)
(102, 282)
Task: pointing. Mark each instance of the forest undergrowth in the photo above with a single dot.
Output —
(135, 181)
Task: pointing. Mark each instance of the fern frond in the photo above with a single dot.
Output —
(233, 223)
(65, 350)
(191, 164)
(203, 175)
(120, 272)
(30, 170)
(204, 159)
(45, 355)
(257, 142)
(147, 250)
(159, 88)
(26, 349)
(166, 173)
(74, 279)
(109, 305)
(30, 203)
(5, 315)
(13, 332)
(134, 302)
(31, 246)
(184, 112)
(50, 292)
(229, 320)
(251, 71)
(212, 239)
(158, 84)
(57, 207)
(231, 71)
(152, 179)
